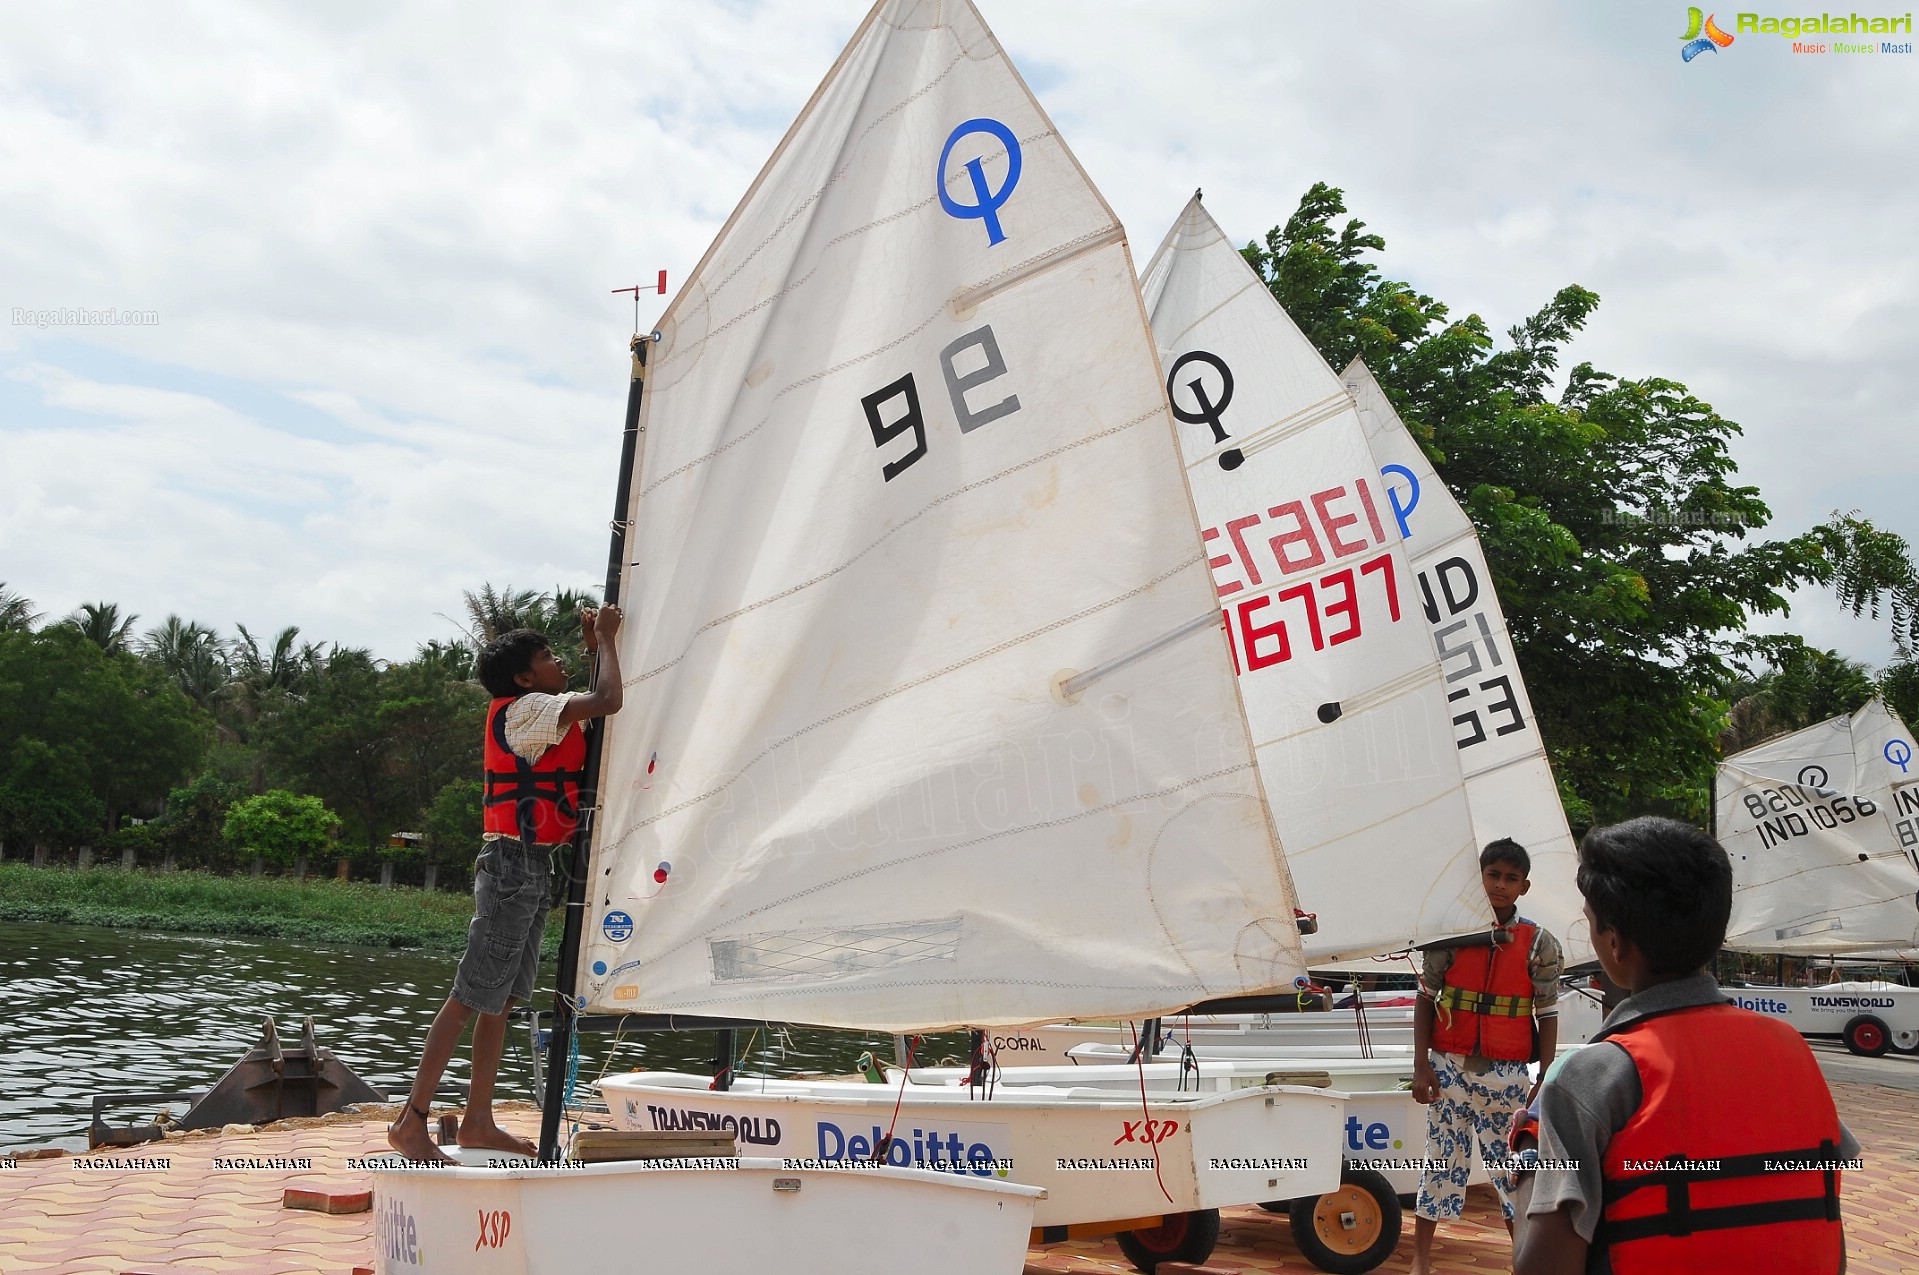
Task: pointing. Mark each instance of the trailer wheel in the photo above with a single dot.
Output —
(1349, 1230)
(1905, 1042)
(1183, 1237)
(1867, 1035)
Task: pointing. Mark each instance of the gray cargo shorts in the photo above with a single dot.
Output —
(502, 957)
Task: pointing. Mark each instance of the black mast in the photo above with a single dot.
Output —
(560, 1045)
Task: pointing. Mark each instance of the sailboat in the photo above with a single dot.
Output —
(1509, 781)
(1372, 657)
(1346, 700)
(1822, 825)
(929, 723)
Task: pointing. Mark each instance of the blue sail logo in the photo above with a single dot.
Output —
(987, 201)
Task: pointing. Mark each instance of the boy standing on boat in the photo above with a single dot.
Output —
(1484, 1011)
(1691, 1135)
(535, 762)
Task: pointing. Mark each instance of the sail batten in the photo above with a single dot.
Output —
(907, 475)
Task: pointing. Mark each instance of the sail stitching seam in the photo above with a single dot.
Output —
(921, 680)
(915, 517)
(819, 194)
(1063, 820)
(838, 239)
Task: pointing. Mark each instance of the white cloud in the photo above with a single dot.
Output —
(381, 241)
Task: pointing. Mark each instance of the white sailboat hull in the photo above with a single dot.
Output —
(746, 1220)
(1294, 1036)
(1382, 1129)
(1825, 1012)
(1100, 1156)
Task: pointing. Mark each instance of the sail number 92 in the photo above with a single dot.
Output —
(893, 411)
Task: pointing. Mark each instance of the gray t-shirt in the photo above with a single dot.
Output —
(1591, 1097)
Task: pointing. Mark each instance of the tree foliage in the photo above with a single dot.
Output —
(16, 613)
(280, 827)
(1628, 557)
(85, 737)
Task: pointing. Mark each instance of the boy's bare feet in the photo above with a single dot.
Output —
(481, 1134)
(411, 1137)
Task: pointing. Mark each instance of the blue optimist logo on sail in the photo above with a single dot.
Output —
(986, 201)
(949, 1147)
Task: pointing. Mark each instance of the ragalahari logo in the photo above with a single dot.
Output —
(1702, 35)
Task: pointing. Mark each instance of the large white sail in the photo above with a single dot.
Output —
(1344, 695)
(1822, 826)
(905, 477)
(1509, 782)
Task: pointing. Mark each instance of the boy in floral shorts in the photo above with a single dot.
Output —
(1485, 1010)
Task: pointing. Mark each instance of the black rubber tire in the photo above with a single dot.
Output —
(1183, 1237)
(1867, 1036)
(1375, 1221)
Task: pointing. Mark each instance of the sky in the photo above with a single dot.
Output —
(373, 246)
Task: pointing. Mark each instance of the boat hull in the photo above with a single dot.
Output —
(1100, 1156)
(745, 1220)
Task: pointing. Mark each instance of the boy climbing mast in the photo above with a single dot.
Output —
(535, 762)
(1483, 1011)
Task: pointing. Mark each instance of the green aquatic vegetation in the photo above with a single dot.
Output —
(320, 910)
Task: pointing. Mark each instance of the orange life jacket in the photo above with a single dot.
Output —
(1486, 1006)
(1733, 1101)
(534, 801)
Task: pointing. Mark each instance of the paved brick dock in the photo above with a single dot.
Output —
(193, 1217)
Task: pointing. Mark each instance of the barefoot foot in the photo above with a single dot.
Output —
(484, 1135)
(409, 1136)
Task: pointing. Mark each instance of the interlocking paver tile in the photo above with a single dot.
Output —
(193, 1216)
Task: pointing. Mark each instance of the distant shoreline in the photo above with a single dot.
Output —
(318, 909)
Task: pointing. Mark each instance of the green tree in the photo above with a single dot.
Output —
(193, 831)
(16, 613)
(1804, 686)
(192, 655)
(281, 828)
(336, 741)
(453, 826)
(65, 703)
(102, 624)
(1626, 555)
(1899, 687)
(261, 683)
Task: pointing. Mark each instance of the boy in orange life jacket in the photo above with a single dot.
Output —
(1483, 1011)
(1691, 1135)
(535, 761)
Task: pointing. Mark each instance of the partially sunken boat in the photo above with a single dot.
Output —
(929, 721)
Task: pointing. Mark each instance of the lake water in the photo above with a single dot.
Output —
(94, 1011)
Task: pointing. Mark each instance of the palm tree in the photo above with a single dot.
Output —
(100, 622)
(498, 612)
(259, 682)
(192, 655)
(16, 613)
(1805, 685)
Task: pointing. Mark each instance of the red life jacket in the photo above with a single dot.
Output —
(1486, 1006)
(1741, 1093)
(534, 801)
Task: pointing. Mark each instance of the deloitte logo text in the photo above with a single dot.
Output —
(1760, 1004)
(1703, 35)
(959, 1148)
